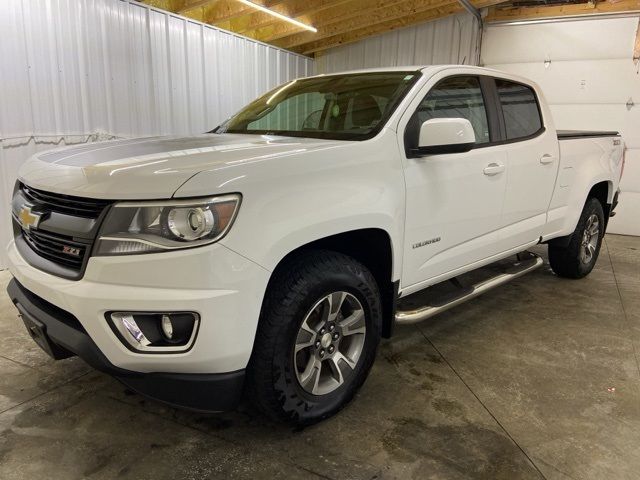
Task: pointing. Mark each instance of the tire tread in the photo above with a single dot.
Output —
(565, 261)
(264, 386)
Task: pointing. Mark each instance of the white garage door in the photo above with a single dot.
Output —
(587, 72)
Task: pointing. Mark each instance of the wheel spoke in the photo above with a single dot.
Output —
(306, 336)
(307, 328)
(338, 356)
(353, 324)
(301, 345)
(594, 228)
(336, 371)
(311, 376)
(334, 302)
(592, 249)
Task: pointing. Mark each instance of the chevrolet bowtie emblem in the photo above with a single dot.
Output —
(28, 219)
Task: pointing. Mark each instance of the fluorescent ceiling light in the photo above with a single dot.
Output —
(279, 15)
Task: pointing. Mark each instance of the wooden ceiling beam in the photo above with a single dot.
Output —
(189, 6)
(387, 25)
(354, 36)
(367, 18)
(338, 21)
(321, 20)
(273, 3)
(297, 9)
(224, 10)
(169, 5)
(501, 14)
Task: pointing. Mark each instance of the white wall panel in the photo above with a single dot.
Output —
(594, 39)
(587, 73)
(79, 70)
(449, 40)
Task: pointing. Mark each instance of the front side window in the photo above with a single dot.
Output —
(341, 107)
(457, 97)
(519, 108)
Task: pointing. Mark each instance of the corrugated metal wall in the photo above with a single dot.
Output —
(453, 39)
(73, 71)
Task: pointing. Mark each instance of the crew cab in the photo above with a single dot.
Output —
(269, 256)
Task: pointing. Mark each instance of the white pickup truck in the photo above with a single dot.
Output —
(269, 256)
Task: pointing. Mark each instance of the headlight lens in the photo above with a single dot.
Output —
(191, 223)
(146, 227)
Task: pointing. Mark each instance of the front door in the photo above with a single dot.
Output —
(454, 201)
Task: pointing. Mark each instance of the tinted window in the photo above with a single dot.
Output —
(457, 97)
(520, 109)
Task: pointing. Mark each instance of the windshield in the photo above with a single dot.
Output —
(338, 107)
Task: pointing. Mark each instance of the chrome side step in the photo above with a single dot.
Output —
(515, 270)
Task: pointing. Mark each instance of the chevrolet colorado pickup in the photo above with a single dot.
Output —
(268, 257)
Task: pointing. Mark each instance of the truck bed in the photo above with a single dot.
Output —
(571, 134)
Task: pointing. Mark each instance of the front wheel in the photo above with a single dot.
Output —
(577, 259)
(317, 338)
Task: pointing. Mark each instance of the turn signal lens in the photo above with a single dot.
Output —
(128, 327)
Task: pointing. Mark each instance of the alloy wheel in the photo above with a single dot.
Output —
(329, 343)
(590, 238)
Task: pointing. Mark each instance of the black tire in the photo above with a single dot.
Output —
(569, 261)
(297, 287)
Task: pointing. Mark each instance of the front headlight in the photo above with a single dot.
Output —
(146, 227)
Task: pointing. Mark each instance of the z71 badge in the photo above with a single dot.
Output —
(71, 251)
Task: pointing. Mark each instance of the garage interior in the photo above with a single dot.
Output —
(537, 379)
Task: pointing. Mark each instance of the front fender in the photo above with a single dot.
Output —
(293, 200)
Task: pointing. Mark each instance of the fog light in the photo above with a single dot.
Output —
(167, 327)
(166, 332)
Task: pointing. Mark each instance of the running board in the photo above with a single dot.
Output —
(514, 270)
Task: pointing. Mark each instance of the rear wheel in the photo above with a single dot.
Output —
(579, 256)
(317, 338)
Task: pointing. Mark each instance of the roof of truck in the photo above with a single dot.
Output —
(432, 69)
(410, 68)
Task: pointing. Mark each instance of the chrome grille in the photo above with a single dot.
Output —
(61, 250)
(60, 242)
(66, 204)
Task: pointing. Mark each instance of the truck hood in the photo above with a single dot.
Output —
(155, 167)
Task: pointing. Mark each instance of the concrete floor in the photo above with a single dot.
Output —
(537, 380)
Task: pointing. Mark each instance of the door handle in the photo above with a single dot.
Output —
(546, 159)
(493, 169)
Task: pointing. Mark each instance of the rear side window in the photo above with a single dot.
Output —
(520, 109)
(457, 97)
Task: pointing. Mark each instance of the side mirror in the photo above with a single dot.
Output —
(446, 135)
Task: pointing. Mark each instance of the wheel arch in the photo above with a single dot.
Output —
(373, 248)
(603, 192)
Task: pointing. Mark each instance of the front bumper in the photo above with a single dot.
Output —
(224, 288)
(202, 392)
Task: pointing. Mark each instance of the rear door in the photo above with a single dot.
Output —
(532, 163)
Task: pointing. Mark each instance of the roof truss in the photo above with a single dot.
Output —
(339, 22)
